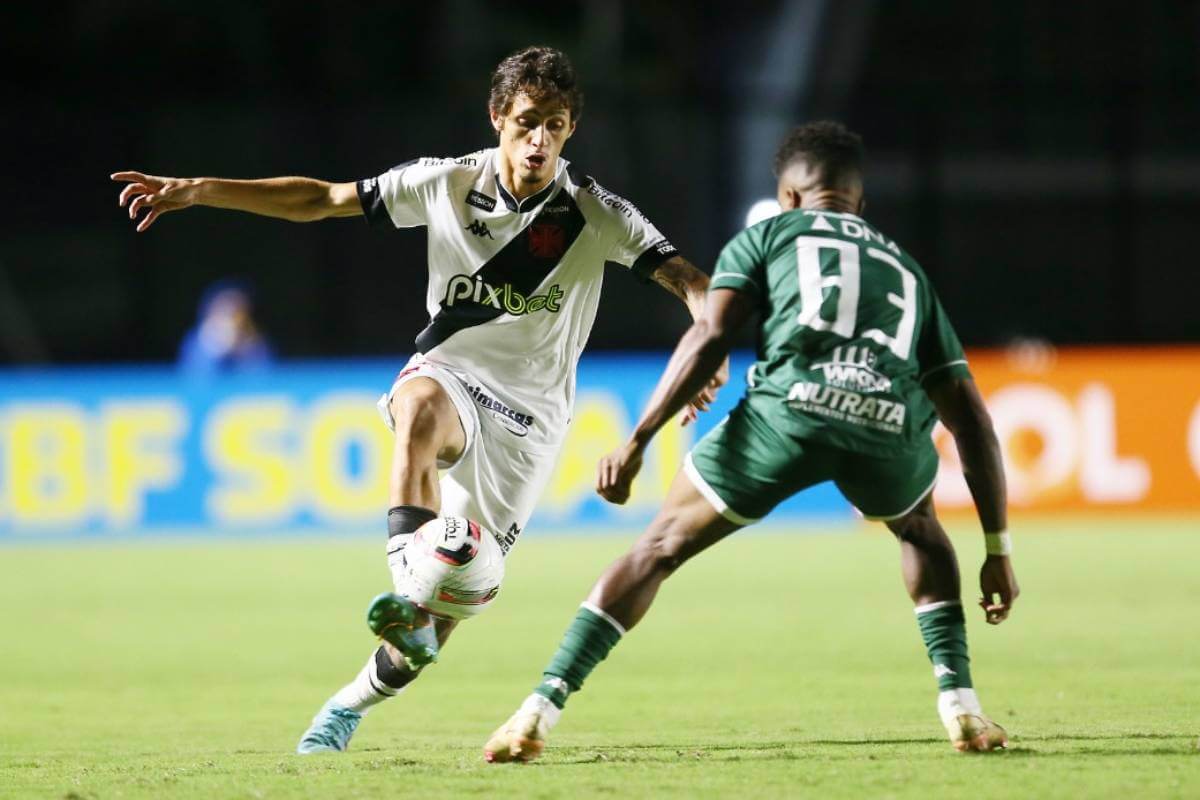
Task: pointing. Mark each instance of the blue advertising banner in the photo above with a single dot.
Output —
(300, 447)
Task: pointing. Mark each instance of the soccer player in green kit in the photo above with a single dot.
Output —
(856, 361)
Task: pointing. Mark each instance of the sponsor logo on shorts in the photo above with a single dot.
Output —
(481, 200)
(508, 539)
(515, 422)
(473, 289)
(853, 367)
(847, 406)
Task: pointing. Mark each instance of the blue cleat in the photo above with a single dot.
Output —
(330, 731)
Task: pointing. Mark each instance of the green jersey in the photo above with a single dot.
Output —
(851, 331)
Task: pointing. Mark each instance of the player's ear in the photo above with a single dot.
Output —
(789, 198)
(497, 120)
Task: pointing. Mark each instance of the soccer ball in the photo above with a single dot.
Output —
(452, 568)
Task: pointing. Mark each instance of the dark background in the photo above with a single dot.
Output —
(1042, 161)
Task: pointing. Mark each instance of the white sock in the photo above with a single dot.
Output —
(953, 702)
(365, 691)
(547, 712)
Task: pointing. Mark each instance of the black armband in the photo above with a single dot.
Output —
(373, 207)
(652, 259)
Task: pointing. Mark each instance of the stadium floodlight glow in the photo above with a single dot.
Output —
(762, 209)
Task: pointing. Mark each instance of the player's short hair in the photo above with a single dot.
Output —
(541, 73)
(828, 147)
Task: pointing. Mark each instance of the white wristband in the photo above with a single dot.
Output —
(998, 544)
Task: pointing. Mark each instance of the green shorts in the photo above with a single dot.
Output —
(745, 468)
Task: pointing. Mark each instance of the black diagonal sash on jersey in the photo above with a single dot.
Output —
(523, 263)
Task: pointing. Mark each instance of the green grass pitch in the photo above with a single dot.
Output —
(775, 665)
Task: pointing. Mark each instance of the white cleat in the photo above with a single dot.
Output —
(975, 733)
(523, 737)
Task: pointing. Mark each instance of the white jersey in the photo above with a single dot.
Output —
(513, 285)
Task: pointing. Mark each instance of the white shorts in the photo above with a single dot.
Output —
(495, 481)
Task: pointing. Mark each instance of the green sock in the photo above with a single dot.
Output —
(944, 630)
(585, 644)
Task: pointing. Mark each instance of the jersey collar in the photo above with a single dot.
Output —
(828, 213)
(534, 200)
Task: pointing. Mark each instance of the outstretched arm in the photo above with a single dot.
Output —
(679, 277)
(700, 353)
(962, 411)
(294, 199)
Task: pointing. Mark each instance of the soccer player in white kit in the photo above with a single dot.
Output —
(518, 240)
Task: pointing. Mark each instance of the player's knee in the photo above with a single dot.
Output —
(664, 551)
(909, 528)
(919, 526)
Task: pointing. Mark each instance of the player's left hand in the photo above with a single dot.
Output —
(616, 471)
(999, 587)
(156, 193)
(702, 401)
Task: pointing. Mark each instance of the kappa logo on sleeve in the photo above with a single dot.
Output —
(481, 200)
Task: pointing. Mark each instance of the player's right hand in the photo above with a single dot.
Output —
(999, 587)
(158, 194)
(706, 397)
(616, 471)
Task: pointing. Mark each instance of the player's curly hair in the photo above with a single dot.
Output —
(829, 147)
(540, 72)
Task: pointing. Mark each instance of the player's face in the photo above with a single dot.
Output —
(532, 135)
